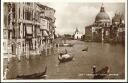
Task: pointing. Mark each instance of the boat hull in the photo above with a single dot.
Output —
(65, 59)
(33, 76)
(66, 45)
(102, 73)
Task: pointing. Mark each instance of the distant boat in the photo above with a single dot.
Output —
(34, 76)
(66, 45)
(85, 49)
(65, 58)
(102, 73)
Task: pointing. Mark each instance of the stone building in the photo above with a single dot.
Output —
(77, 34)
(102, 30)
(27, 28)
(118, 29)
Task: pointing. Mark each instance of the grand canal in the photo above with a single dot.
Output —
(98, 54)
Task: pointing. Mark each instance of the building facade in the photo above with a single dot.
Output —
(77, 34)
(28, 27)
(106, 30)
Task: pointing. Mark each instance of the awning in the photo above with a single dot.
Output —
(93, 29)
(38, 31)
(29, 29)
(45, 33)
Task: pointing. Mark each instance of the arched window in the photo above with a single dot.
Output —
(13, 33)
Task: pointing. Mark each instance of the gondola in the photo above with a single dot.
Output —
(102, 73)
(34, 76)
(63, 59)
(66, 45)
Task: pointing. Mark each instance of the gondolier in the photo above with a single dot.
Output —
(5, 73)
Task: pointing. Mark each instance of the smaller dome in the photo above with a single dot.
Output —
(116, 18)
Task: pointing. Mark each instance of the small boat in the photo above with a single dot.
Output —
(64, 58)
(102, 73)
(85, 49)
(34, 76)
(66, 45)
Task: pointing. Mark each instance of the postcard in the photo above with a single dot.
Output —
(64, 40)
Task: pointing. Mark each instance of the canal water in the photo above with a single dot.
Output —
(80, 67)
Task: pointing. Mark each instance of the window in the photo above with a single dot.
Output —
(13, 33)
(9, 34)
(9, 7)
(31, 15)
(35, 44)
(19, 31)
(30, 45)
(27, 15)
(13, 10)
(28, 3)
(19, 12)
(23, 31)
(9, 19)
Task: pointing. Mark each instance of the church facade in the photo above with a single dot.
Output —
(106, 30)
(77, 34)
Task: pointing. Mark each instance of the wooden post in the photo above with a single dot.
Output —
(58, 47)
(19, 52)
(8, 54)
(27, 51)
(46, 47)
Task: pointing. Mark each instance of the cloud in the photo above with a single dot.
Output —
(72, 15)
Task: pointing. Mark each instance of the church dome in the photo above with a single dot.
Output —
(117, 18)
(102, 16)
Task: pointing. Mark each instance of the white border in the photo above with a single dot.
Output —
(1, 40)
(126, 30)
(64, 0)
(63, 80)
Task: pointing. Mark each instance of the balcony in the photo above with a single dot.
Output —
(49, 14)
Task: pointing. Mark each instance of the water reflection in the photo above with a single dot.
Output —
(98, 54)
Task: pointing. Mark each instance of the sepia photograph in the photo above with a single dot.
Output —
(63, 40)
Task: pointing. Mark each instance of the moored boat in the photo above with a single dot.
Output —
(66, 45)
(34, 76)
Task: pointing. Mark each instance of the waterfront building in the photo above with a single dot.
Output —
(77, 34)
(28, 27)
(118, 29)
(104, 29)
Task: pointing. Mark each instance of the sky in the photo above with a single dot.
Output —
(70, 16)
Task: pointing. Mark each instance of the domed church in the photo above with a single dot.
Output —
(100, 28)
(103, 30)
